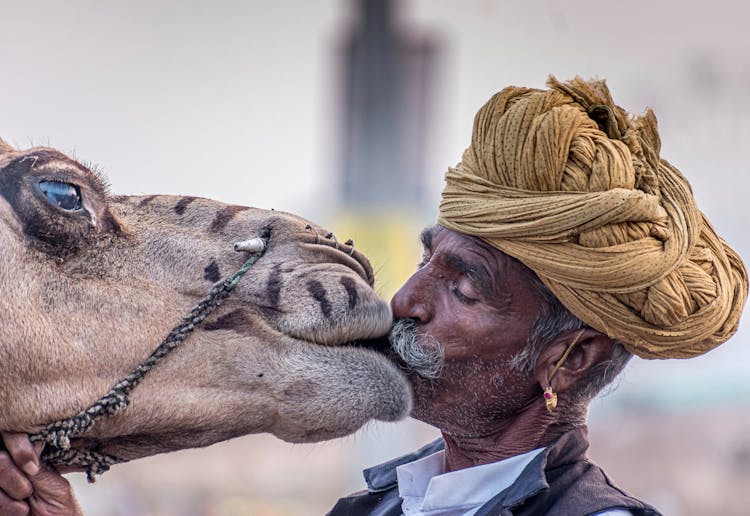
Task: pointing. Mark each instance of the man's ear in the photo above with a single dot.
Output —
(591, 348)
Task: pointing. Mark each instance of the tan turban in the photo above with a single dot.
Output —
(569, 184)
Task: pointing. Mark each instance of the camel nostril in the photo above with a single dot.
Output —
(365, 263)
(331, 236)
(359, 258)
(317, 237)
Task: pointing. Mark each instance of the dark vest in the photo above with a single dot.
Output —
(560, 481)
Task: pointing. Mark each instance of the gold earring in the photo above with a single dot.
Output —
(550, 399)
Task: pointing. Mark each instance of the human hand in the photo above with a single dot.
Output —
(28, 488)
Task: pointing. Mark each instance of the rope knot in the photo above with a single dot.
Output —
(60, 440)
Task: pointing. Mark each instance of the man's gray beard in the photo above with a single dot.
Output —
(421, 354)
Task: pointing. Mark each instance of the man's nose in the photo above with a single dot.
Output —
(410, 301)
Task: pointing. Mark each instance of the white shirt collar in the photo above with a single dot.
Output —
(426, 490)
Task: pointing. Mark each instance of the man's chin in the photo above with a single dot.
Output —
(425, 389)
(423, 410)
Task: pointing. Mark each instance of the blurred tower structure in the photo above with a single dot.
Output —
(388, 81)
(387, 88)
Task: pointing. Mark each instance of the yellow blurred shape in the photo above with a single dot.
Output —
(389, 239)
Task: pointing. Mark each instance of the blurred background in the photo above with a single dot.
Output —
(349, 112)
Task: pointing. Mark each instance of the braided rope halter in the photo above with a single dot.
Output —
(57, 435)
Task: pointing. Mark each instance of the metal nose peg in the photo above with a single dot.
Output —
(254, 245)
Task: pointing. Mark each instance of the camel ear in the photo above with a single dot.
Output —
(4, 147)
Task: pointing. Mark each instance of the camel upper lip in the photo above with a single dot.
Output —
(352, 259)
(363, 268)
(365, 264)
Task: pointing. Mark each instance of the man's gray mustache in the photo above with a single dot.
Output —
(421, 354)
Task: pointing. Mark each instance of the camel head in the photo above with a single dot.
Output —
(93, 282)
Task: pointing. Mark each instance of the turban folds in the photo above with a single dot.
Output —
(569, 184)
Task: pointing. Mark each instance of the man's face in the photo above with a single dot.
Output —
(478, 304)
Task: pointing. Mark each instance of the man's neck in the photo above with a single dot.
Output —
(525, 432)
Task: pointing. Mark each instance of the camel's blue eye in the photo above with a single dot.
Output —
(62, 195)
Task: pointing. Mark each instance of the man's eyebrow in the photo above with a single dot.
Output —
(476, 273)
(426, 237)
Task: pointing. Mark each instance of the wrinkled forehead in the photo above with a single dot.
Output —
(501, 267)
